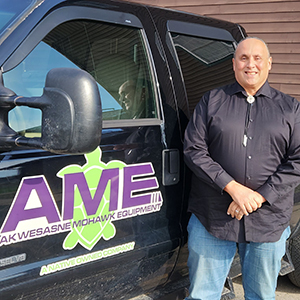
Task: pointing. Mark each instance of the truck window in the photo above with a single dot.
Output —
(114, 55)
(205, 64)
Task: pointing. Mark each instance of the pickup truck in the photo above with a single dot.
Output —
(95, 96)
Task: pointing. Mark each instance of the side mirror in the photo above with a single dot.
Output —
(71, 113)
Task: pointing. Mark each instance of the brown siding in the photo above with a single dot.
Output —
(277, 22)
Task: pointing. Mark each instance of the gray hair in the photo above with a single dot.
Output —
(256, 38)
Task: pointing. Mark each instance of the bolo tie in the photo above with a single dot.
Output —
(250, 100)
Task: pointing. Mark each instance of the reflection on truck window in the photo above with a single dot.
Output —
(114, 55)
(205, 64)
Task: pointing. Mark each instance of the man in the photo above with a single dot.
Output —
(127, 92)
(134, 106)
(243, 147)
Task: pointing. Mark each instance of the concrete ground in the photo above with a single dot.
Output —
(285, 289)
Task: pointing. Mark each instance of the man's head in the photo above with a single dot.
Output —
(127, 92)
(251, 64)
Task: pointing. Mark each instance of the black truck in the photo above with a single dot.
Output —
(95, 96)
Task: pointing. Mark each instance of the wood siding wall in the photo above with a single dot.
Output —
(277, 22)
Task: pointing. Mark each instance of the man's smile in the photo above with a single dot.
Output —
(249, 73)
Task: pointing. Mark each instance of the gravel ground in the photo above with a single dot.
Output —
(285, 289)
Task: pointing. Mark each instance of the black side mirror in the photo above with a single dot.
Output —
(71, 113)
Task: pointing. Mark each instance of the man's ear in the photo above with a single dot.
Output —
(233, 64)
(270, 63)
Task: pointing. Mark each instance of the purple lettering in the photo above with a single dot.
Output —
(76, 224)
(39, 231)
(18, 212)
(3, 240)
(135, 185)
(23, 235)
(47, 230)
(91, 221)
(91, 204)
(12, 238)
(54, 228)
(105, 218)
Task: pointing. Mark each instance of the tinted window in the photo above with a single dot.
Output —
(205, 64)
(114, 55)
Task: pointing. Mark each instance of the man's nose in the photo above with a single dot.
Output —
(121, 98)
(251, 62)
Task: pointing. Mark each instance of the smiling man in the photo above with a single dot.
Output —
(252, 64)
(243, 147)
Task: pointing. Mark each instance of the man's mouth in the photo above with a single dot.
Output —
(251, 73)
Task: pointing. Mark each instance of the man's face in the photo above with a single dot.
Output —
(251, 65)
(126, 92)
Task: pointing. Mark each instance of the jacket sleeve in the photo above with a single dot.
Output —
(196, 149)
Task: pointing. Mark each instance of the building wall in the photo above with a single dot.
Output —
(277, 22)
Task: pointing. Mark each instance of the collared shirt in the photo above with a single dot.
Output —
(258, 145)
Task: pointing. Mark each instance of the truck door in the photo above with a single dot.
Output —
(101, 222)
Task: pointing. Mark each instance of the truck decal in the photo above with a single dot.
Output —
(94, 196)
(83, 259)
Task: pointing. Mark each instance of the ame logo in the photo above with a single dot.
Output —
(94, 195)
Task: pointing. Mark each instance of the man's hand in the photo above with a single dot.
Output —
(245, 200)
(235, 211)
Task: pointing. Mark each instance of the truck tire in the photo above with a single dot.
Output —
(294, 249)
